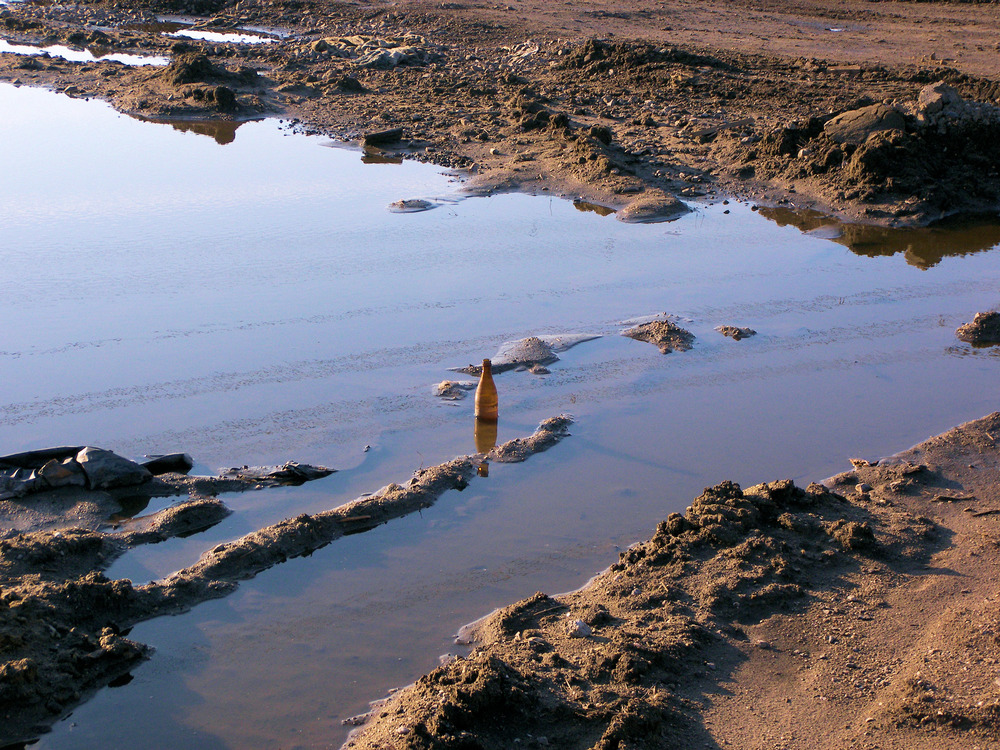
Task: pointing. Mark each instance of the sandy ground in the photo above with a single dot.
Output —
(861, 613)
(606, 101)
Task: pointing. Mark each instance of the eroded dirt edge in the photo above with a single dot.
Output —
(862, 612)
(63, 623)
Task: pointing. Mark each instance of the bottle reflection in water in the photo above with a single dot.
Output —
(486, 395)
(486, 440)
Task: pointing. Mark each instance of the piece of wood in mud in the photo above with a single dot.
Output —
(952, 498)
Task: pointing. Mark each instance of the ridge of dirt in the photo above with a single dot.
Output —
(863, 613)
(615, 104)
(64, 624)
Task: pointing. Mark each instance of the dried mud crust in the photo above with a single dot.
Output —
(63, 623)
(679, 101)
(859, 614)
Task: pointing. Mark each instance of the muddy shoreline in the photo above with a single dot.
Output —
(765, 615)
(64, 625)
(857, 613)
(613, 105)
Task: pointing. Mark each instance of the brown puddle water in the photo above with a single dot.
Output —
(258, 303)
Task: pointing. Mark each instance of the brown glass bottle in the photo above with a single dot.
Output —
(486, 395)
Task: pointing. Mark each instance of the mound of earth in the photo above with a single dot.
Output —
(933, 157)
(531, 353)
(862, 613)
(664, 334)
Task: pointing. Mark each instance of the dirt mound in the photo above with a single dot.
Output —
(774, 616)
(932, 157)
(596, 56)
(667, 336)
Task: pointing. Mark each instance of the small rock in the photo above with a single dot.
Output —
(653, 209)
(855, 126)
(105, 469)
(63, 473)
(178, 463)
(937, 96)
(579, 629)
(454, 390)
(378, 137)
(411, 206)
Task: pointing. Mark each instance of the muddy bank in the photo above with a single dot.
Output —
(857, 613)
(645, 107)
(64, 624)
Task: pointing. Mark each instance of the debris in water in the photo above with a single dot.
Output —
(411, 206)
(531, 353)
(664, 334)
(735, 332)
(454, 390)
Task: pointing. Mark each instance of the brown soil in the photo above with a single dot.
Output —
(859, 614)
(666, 336)
(613, 102)
(63, 624)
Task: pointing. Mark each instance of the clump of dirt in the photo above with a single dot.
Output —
(666, 335)
(984, 330)
(736, 333)
(843, 615)
(530, 354)
(549, 432)
(653, 208)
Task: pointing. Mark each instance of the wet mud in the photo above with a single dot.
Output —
(64, 625)
(857, 612)
(642, 108)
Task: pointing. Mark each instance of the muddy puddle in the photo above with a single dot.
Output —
(81, 55)
(256, 302)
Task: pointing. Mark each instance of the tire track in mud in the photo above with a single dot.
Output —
(774, 308)
(764, 308)
(123, 396)
(18, 413)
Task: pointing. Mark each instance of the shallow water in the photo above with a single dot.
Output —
(221, 37)
(81, 55)
(256, 302)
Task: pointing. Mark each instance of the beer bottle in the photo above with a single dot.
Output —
(486, 395)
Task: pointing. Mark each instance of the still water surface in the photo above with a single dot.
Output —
(255, 302)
